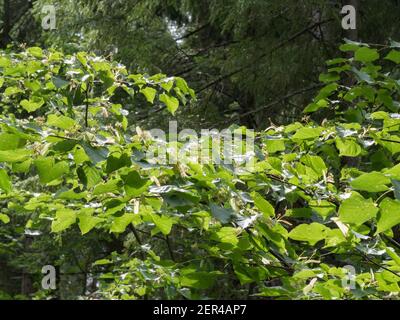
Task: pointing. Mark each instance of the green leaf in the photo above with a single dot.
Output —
(81, 56)
(222, 214)
(5, 183)
(33, 104)
(305, 274)
(89, 176)
(322, 207)
(362, 76)
(348, 148)
(119, 224)
(149, 93)
(102, 262)
(167, 86)
(114, 205)
(198, 279)
(307, 133)
(316, 163)
(371, 182)
(273, 292)
(394, 172)
(182, 84)
(226, 235)
(64, 145)
(365, 54)
(111, 186)
(9, 141)
(274, 146)
(263, 205)
(60, 83)
(49, 170)
(329, 77)
(326, 91)
(80, 155)
(22, 167)
(71, 195)
(172, 103)
(117, 161)
(356, 210)
(87, 222)
(5, 62)
(389, 215)
(61, 122)
(96, 155)
(311, 233)
(18, 155)
(163, 223)
(176, 196)
(394, 146)
(312, 107)
(394, 56)
(10, 91)
(36, 52)
(245, 274)
(349, 47)
(299, 213)
(64, 219)
(334, 238)
(134, 185)
(4, 218)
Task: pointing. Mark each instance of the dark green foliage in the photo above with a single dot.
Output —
(77, 191)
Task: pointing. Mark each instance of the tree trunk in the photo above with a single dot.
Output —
(5, 36)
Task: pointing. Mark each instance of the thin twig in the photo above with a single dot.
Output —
(171, 252)
(375, 263)
(389, 140)
(289, 95)
(192, 32)
(252, 65)
(87, 107)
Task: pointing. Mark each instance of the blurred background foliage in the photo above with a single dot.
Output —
(250, 62)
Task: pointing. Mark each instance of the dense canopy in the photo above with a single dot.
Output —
(302, 203)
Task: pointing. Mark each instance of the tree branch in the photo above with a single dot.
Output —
(252, 65)
(289, 95)
(193, 32)
(87, 107)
